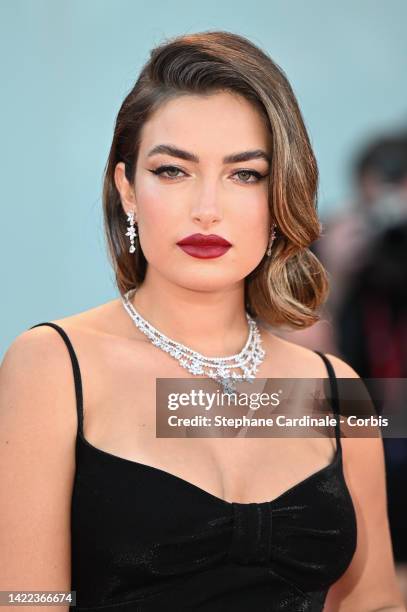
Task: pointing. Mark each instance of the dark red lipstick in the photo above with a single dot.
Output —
(204, 246)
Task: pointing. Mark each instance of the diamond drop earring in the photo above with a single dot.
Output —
(272, 238)
(131, 231)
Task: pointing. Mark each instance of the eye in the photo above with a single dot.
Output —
(172, 172)
(169, 170)
(246, 174)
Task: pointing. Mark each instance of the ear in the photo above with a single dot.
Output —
(125, 189)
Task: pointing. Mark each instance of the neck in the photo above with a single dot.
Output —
(212, 322)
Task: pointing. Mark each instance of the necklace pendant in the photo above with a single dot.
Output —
(229, 386)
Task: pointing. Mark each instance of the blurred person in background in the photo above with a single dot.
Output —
(380, 202)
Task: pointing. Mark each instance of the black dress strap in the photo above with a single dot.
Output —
(334, 397)
(76, 371)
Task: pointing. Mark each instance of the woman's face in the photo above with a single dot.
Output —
(185, 185)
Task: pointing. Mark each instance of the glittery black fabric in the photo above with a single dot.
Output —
(145, 540)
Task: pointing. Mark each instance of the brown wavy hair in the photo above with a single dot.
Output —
(288, 287)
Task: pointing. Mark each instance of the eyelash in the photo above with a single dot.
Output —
(159, 172)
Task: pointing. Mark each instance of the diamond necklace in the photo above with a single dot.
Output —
(221, 369)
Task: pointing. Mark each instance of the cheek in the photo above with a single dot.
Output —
(252, 241)
(157, 220)
(253, 227)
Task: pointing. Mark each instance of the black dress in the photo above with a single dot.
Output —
(145, 540)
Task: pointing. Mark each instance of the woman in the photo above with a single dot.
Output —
(209, 142)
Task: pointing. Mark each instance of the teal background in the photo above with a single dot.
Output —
(66, 67)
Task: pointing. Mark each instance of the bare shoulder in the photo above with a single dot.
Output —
(341, 367)
(299, 361)
(39, 352)
(38, 363)
(36, 377)
(110, 349)
(37, 357)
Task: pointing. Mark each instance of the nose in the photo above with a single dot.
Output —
(207, 208)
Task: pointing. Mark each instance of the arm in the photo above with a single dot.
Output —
(369, 584)
(37, 462)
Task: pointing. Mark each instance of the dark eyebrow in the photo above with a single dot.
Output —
(229, 159)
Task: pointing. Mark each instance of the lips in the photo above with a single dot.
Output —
(204, 240)
(204, 246)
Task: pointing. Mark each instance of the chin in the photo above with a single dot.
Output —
(207, 282)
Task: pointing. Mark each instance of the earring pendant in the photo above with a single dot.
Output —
(131, 231)
(271, 240)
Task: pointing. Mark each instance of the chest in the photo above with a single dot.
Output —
(120, 418)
